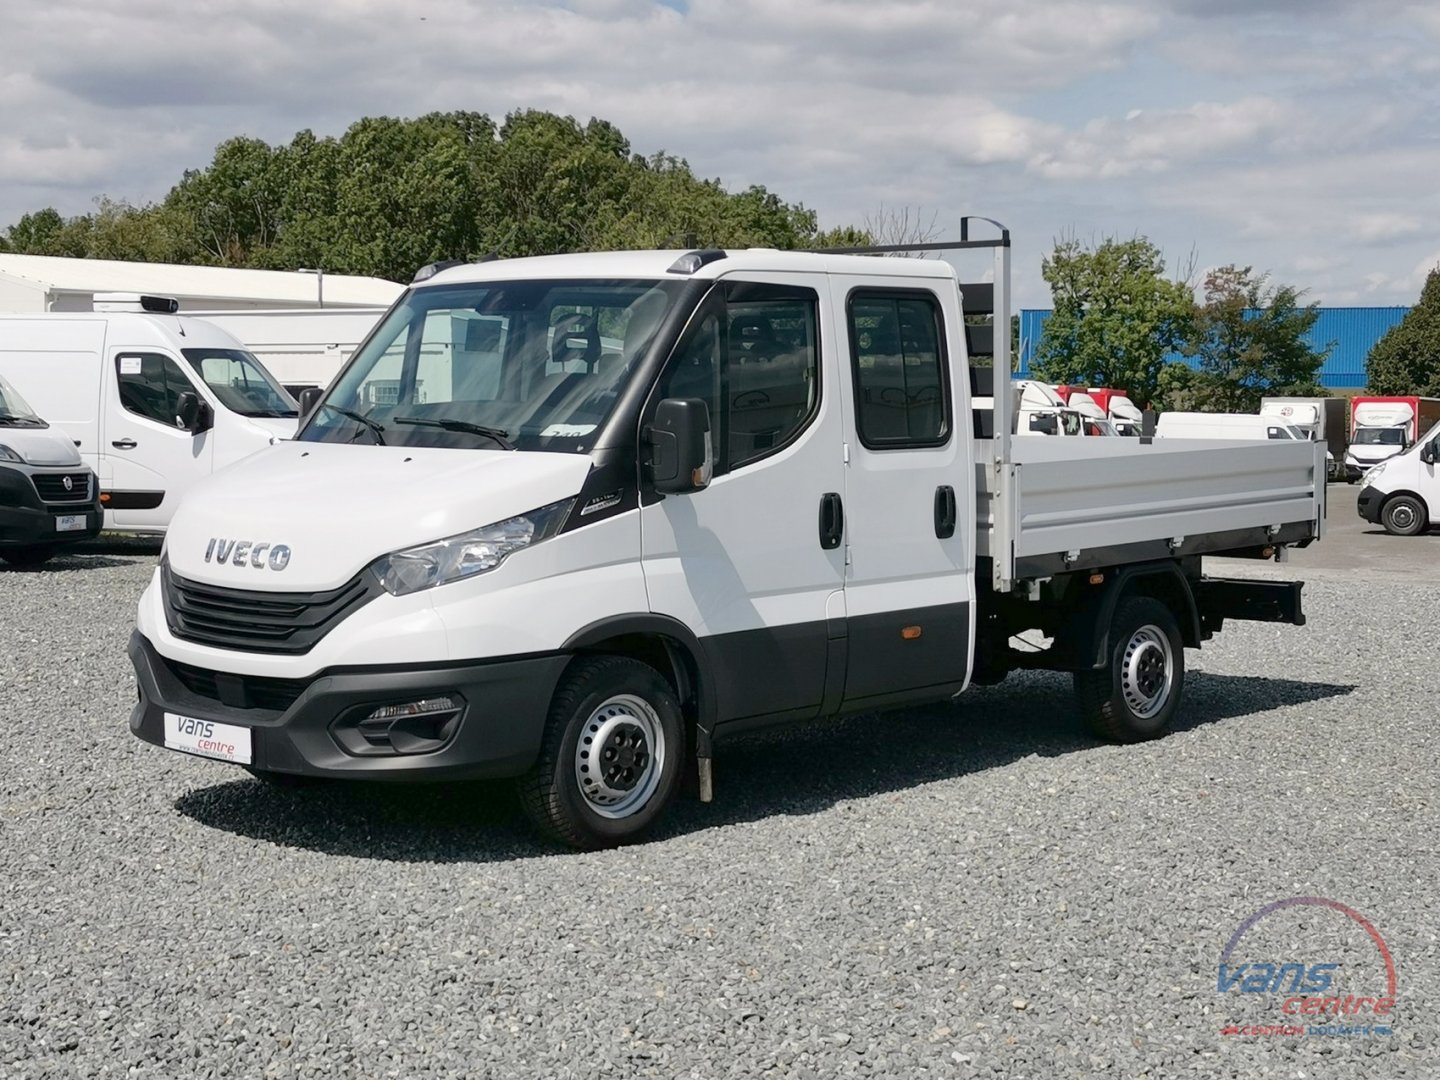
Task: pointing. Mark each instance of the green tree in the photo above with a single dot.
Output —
(1115, 316)
(1407, 359)
(390, 195)
(1249, 342)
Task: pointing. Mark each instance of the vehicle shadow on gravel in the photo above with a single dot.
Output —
(794, 771)
(70, 561)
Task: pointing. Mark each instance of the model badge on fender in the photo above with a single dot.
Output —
(247, 552)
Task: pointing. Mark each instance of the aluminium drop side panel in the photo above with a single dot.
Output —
(1079, 495)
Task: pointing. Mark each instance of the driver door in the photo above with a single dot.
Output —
(151, 462)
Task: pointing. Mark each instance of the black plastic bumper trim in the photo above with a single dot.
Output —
(506, 703)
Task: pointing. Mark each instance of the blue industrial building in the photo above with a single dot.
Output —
(1354, 330)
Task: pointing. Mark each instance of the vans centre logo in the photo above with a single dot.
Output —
(1346, 991)
(247, 553)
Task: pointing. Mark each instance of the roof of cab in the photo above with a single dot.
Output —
(656, 264)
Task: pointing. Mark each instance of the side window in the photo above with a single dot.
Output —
(756, 367)
(150, 385)
(901, 397)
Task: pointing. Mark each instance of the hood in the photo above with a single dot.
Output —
(41, 446)
(339, 507)
(1373, 452)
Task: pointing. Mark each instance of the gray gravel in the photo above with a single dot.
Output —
(971, 891)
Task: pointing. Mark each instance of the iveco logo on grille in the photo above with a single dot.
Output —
(247, 553)
(68, 484)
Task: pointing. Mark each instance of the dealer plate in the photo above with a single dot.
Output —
(208, 738)
(69, 522)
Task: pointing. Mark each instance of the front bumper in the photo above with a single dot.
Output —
(1369, 503)
(504, 705)
(25, 519)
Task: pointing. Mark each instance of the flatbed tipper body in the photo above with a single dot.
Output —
(1077, 504)
(576, 520)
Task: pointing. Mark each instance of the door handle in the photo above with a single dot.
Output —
(124, 444)
(945, 512)
(832, 521)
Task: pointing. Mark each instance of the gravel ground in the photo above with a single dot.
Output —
(958, 891)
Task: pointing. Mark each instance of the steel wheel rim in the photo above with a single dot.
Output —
(1402, 515)
(1147, 671)
(619, 756)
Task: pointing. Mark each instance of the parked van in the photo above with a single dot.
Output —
(47, 497)
(153, 401)
(1195, 425)
(1382, 427)
(1402, 493)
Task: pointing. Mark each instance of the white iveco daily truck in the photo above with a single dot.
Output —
(574, 519)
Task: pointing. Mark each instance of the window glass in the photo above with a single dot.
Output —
(900, 386)
(538, 363)
(151, 385)
(241, 383)
(756, 367)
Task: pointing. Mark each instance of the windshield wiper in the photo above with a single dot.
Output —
(377, 430)
(501, 438)
(22, 421)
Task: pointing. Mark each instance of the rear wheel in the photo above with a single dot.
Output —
(1404, 515)
(1135, 696)
(611, 756)
(27, 555)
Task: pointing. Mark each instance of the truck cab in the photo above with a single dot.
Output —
(154, 401)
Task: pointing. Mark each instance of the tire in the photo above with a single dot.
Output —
(1404, 515)
(628, 711)
(1136, 695)
(32, 555)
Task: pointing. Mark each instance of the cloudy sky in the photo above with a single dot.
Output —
(1298, 136)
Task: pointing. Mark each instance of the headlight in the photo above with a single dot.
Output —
(471, 553)
(1373, 473)
(6, 454)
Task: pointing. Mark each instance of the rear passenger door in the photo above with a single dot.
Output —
(742, 563)
(909, 490)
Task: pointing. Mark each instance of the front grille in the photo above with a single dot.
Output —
(239, 691)
(252, 621)
(51, 487)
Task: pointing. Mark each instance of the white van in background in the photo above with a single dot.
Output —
(1402, 493)
(153, 401)
(1196, 425)
(301, 348)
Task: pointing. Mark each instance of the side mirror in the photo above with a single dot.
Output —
(192, 414)
(309, 398)
(679, 454)
(1427, 453)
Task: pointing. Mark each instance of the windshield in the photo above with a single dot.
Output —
(1382, 436)
(241, 382)
(14, 412)
(528, 365)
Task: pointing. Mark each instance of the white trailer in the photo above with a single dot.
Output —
(767, 499)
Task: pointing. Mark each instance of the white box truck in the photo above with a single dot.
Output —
(1322, 419)
(1381, 427)
(582, 564)
(154, 401)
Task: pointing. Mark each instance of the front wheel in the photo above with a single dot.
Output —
(27, 555)
(1404, 515)
(611, 756)
(1135, 696)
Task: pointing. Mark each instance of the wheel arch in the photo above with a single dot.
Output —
(1160, 581)
(1391, 496)
(665, 644)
